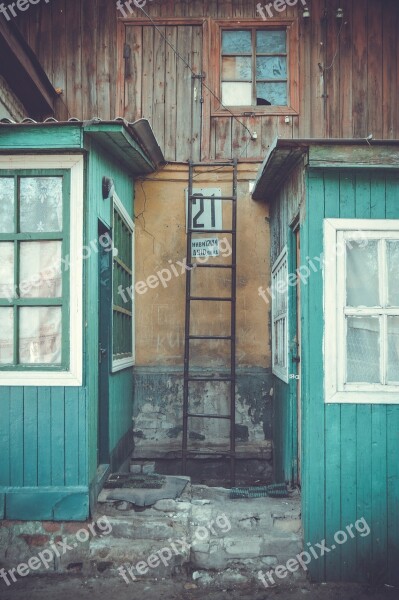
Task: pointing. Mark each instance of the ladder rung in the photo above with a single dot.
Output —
(231, 198)
(227, 417)
(216, 379)
(199, 266)
(209, 231)
(208, 453)
(210, 337)
(209, 299)
(212, 164)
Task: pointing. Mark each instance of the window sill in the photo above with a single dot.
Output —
(255, 111)
(41, 379)
(123, 363)
(363, 398)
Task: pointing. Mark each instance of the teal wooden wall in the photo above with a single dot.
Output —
(48, 435)
(350, 452)
(121, 383)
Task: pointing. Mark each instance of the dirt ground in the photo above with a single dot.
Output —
(79, 588)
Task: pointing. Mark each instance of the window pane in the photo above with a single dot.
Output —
(363, 350)
(7, 270)
(274, 94)
(40, 270)
(236, 42)
(393, 273)
(6, 205)
(41, 204)
(271, 42)
(237, 67)
(6, 336)
(393, 349)
(237, 94)
(271, 67)
(362, 273)
(40, 335)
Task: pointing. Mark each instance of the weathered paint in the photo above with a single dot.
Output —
(48, 435)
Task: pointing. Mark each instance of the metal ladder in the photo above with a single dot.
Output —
(189, 378)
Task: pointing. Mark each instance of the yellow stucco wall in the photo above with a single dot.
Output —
(160, 209)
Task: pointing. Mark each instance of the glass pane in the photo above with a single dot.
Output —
(236, 42)
(6, 336)
(274, 94)
(393, 273)
(237, 67)
(40, 270)
(6, 205)
(393, 349)
(7, 270)
(237, 94)
(271, 42)
(271, 67)
(362, 273)
(41, 204)
(363, 350)
(40, 335)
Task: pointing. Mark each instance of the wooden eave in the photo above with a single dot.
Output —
(114, 137)
(21, 69)
(285, 154)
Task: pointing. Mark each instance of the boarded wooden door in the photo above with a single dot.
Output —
(160, 87)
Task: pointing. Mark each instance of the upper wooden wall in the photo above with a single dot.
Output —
(79, 44)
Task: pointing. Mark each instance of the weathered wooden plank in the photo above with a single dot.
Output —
(57, 436)
(74, 54)
(348, 487)
(17, 436)
(158, 115)
(134, 73)
(184, 95)
(5, 437)
(390, 66)
(30, 418)
(314, 416)
(359, 65)
(354, 156)
(393, 493)
(317, 101)
(268, 134)
(364, 489)
(59, 54)
(347, 195)
(44, 438)
(72, 427)
(222, 137)
(171, 95)
(89, 62)
(82, 454)
(379, 492)
(363, 196)
(196, 65)
(305, 57)
(332, 71)
(225, 9)
(333, 490)
(392, 196)
(104, 61)
(375, 69)
(377, 196)
(147, 93)
(346, 76)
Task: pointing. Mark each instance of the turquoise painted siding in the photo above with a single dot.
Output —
(350, 452)
(120, 383)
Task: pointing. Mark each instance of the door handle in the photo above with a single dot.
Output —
(101, 353)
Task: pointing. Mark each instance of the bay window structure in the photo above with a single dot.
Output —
(40, 298)
(361, 295)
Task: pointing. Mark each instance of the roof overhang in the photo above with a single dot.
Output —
(21, 69)
(286, 154)
(133, 145)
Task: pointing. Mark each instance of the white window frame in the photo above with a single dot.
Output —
(74, 376)
(280, 281)
(125, 363)
(336, 232)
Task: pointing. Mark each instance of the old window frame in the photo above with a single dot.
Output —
(124, 362)
(292, 107)
(70, 373)
(336, 233)
(280, 313)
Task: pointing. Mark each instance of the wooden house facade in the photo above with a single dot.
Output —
(219, 80)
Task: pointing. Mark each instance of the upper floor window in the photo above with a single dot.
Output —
(254, 69)
(280, 316)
